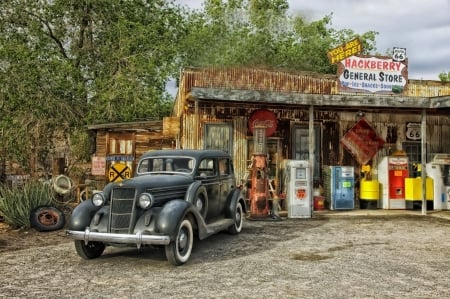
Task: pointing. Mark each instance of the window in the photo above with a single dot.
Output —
(224, 166)
(414, 152)
(219, 137)
(207, 168)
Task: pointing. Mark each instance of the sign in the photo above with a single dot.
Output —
(118, 172)
(372, 74)
(263, 118)
(346, 50)
(98, 165)
(399, 54)
(413, 131)
(301, 194)
(125, 158)
(362, 141)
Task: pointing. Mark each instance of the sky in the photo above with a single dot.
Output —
(420, 26)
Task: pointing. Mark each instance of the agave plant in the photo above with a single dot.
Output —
(18, 201)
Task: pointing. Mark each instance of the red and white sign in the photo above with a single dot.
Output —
(263, 118)
(372, 74)
(98, 165)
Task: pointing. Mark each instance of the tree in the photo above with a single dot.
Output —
(68, 63)
(261, 33)
(444, 77)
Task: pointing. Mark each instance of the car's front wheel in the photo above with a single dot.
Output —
(238, 220)
(179, 250)
(88, 251)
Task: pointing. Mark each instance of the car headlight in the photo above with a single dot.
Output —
(98, 199)
(145, 200)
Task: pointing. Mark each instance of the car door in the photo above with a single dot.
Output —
(227, 181)
(207, 172)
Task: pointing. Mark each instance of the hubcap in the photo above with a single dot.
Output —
(182, 240)
(199, 204)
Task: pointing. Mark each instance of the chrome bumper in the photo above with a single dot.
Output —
(137, 239)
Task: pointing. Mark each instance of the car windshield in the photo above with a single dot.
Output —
(166, 164)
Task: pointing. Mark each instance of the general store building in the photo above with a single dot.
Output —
(308, 113)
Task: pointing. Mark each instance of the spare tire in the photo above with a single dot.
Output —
(62, 184)
(47, 218)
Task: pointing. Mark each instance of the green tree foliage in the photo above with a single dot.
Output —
(444, 77)
(262, 33)
(68, 63)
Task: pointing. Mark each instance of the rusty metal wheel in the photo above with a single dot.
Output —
(47, 218)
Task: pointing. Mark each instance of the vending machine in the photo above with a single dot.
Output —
(299, 190)
(341, 187)
(392, 172)
(439, 170)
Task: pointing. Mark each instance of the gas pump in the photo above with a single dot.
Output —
(299, 194)
(439, 170)
(259, 191)
(392, 171)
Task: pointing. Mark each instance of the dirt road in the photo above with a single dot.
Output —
(322, 257)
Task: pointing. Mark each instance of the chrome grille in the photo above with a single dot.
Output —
(122, 208)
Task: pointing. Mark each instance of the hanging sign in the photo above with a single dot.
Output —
(372, 74)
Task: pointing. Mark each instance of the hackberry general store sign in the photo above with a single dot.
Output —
(372, 74)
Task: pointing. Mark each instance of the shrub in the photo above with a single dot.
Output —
(17, 202)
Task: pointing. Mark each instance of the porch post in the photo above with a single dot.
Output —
(423, 134)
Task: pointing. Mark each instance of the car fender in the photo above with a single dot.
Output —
(193, 191)
(82, 215)
(171, 215)
(235, 197)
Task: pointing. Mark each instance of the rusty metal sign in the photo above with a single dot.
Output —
(362, 141)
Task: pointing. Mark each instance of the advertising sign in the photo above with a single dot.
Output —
(346, 50)
(98, 165)
(362, 141)
(263, 118)
(372, 74)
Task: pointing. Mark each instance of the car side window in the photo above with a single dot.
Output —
(207, 168)
(224, 166)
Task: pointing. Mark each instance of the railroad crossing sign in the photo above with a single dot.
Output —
(118, 172)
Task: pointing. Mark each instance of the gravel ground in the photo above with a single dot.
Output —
(327, 256)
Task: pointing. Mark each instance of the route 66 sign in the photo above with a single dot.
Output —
(399, 54)
(413, 131)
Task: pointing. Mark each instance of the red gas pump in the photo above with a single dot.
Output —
(259, 191)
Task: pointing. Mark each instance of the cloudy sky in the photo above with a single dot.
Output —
(420, 26)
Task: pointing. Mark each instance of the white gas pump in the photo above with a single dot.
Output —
(299, 191)
(439, 170)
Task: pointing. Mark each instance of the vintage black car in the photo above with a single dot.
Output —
(174, 196)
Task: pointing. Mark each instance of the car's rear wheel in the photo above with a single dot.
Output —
(88, 251)
(238, 220)
(179, 250)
